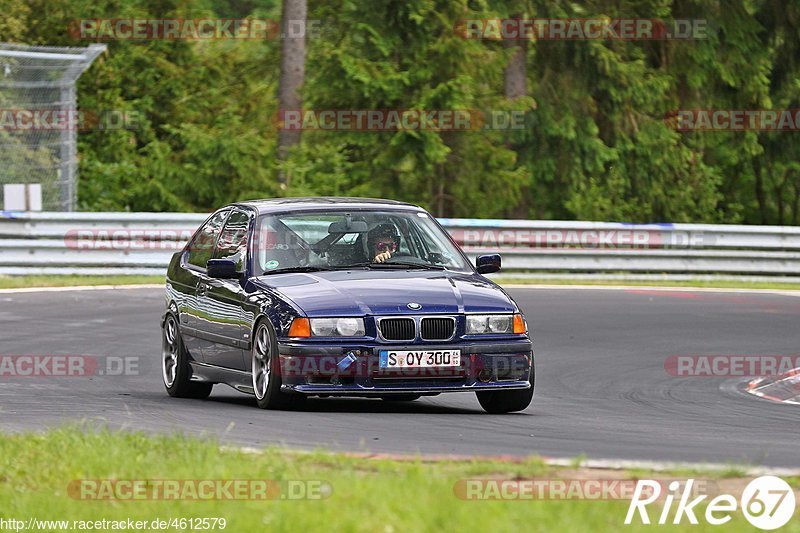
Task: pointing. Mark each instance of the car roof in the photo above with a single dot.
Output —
(313, 203)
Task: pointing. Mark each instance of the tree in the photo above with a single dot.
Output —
(595, 144)
(293, 60)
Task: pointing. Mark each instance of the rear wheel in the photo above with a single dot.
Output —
(498, 402)
(266, 371)
(175, 369)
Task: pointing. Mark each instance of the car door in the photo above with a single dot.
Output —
(226, 322)
(193, 268)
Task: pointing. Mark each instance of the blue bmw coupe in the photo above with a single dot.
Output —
(296, 297)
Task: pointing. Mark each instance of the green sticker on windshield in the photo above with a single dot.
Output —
(272, 264)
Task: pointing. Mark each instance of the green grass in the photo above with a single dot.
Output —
(369, 495)
(720, 284)
(18, 282)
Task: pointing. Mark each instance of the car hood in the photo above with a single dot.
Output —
(370, 292)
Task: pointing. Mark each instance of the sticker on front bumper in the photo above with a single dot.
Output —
(419, 358)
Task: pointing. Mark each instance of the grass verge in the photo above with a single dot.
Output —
(366, 494)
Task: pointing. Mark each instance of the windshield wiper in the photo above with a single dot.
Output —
(296, 269)
(427, 266)
(398, 265)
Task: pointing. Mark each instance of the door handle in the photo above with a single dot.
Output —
(202, 289)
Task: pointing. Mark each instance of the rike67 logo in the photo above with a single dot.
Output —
(768, 502)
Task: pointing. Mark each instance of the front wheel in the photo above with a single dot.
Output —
(266, 371)
(175, 369)
(498, 402)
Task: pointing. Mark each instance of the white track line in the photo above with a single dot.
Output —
(795, 293)
(660, 466)
(599, 464)
(81, 288)
(781, 292)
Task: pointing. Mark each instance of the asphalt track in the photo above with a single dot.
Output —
(602, 389)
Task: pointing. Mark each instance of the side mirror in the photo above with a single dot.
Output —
(488, 264)
(221, 269)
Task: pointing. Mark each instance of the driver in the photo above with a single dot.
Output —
(383, 241)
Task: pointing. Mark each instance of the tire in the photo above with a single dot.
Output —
(265, 369)
(498, 402)
(175, 369)
(401, 397)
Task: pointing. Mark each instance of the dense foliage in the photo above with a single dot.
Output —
(595, 145)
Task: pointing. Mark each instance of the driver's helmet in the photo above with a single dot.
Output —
(383, 237)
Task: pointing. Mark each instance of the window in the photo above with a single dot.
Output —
(308, 239)
(202, 245)
(232, 243)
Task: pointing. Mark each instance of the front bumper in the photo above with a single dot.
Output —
(315, 369)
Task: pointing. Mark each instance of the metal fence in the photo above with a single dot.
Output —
(39, 120)
(142, 243)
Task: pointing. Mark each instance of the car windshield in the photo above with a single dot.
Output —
(353, 239)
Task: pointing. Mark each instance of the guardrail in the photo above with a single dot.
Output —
(142, 243)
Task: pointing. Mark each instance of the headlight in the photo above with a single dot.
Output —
(495, 324)
(500, 324)
(337, 327)
(350, 327)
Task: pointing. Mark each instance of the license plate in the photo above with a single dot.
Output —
(419, 358)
